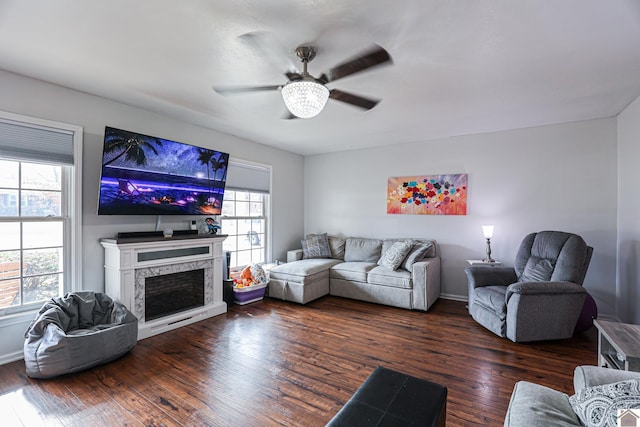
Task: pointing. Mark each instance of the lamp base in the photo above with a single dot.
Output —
(488, 258)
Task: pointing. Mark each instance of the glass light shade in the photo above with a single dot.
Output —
(305, 98)
(487, 230)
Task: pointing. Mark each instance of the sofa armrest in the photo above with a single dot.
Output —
(591, 376)
(294, 255)
(536, 405)
(483, 275)
(425, 276)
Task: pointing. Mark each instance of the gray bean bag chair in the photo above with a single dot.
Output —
(76, 332)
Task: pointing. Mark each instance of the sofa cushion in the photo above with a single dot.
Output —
(316, 246)
(354, 271)
(396, 279)
(598, 406)
(394, 256)
(336, 244)
(537, 270)
(417, 252)
(360, 249)
(535, 405)
(303, 271)
(493, 299)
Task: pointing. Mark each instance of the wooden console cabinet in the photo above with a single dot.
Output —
(129, 261)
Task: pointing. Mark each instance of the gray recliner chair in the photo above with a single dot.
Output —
(541, 297)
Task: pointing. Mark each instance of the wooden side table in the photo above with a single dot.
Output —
(618, 345)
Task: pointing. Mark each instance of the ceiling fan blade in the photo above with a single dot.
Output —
(375, 56)
(349, 98)
(233, 90)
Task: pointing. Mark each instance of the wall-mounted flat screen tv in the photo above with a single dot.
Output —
(145, 175)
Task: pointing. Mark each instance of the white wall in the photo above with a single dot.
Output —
(628, 286)
(560, 177)
(34, 98)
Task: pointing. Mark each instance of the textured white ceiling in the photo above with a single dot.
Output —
(459, 66)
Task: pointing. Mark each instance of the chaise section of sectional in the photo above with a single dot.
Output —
(301, 281)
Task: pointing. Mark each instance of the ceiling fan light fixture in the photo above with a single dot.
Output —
(305, 98)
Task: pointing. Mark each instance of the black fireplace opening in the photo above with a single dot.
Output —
(172, 293)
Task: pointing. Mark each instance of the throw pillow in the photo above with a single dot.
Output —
(394, 256)
(316, 246)
(336, 245)
(598, 406)
(418, 251)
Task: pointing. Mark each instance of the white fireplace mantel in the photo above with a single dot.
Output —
(129, 261)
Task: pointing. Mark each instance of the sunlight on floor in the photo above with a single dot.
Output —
(18, 402)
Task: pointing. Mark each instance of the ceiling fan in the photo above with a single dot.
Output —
(305, 95)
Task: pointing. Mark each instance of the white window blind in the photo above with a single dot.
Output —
(35, 143)
(249, 177)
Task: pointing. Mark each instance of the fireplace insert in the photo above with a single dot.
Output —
(172, 293)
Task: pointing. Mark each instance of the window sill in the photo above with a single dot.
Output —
(18, 318)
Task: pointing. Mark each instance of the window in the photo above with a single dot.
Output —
(245, 222)
(39, 211)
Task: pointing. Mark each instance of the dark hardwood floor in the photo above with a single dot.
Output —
(278, 363)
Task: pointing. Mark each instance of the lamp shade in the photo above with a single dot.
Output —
(487, 230)
(305, 98)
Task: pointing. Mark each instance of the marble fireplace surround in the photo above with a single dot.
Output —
(130, 261)
(143, 273)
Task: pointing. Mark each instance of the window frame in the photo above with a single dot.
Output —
(265, 216)
(71, 188)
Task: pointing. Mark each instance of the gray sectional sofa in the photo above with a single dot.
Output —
(350, 268)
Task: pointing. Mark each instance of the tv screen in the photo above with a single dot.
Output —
(145, 175)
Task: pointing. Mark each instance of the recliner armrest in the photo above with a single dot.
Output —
(543, 310)
(481, 275)
(536, 288)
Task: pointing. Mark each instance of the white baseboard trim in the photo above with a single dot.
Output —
(454, 297)
(11, 357)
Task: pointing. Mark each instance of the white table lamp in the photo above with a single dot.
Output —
(487, 230)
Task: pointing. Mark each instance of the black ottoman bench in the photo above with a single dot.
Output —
(390, 398)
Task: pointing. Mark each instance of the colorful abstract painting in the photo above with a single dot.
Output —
(428, 195)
